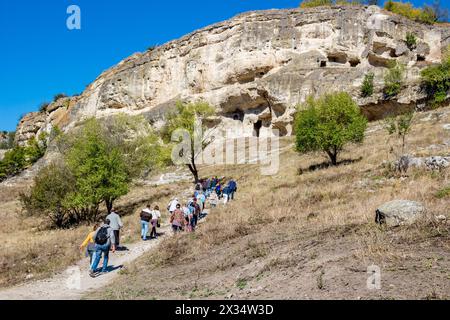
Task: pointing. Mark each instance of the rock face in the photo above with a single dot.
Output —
(399, 212)
(57, 114)
(257, 67)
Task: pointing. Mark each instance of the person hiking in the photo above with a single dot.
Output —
(226, 193)
(104, 241)
(213, 184)
(196, 211)
(177, 219)
(172, 205)
(89, 243)
(213, 200)
(218, 190)
(187, 216)
(146, 217)
(201, 200)
(155, 222)
(116, 224)
(232, 185)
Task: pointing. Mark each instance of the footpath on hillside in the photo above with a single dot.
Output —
(75, 282)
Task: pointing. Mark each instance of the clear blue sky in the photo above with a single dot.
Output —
(40, 57)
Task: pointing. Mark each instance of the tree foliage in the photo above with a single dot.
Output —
(328, 124)
(101, 158)
(427, 14)
(186, 117)
(21, 157)
(400, 126)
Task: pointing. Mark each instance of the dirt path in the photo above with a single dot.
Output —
(75, 282)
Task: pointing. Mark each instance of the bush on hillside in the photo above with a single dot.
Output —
(436, 80)
(411, 40)
(59, 96)
(21, 157)
(393, 80)
(426, 14)
(328, 124)
(315, 3)
(367, 86)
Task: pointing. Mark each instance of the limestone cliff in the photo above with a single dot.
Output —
(256, 67)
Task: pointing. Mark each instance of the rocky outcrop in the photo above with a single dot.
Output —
(56, 114)
(257, 67)
(399, 212)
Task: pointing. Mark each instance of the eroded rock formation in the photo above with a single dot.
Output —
(257, 67)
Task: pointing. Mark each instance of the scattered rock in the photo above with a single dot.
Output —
(430, 163)
(399, 212)
(441, 217)
(446, 126)
(29, 276)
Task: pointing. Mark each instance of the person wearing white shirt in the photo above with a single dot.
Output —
(173, 205)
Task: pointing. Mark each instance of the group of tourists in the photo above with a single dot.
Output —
(105, 236)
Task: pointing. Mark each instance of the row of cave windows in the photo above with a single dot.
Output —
(353, 63)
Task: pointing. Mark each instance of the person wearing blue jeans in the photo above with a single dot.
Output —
(104, 241)
(146, 217)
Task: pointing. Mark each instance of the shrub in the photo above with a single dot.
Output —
(8, 143)
(411, 40)
(427, 14)
(367, 86)
(315, 3)
(328, 124)
(400, 126)
(393, 79)
(43, 106)
(59, 96)
(21, 157)
(436, 80)
(49, 195)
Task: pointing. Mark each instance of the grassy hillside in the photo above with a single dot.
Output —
(306, 234)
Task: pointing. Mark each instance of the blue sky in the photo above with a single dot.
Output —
(40, 57)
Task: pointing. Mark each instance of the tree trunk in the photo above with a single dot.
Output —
(194, 172)
(333, 156)
(109, 204)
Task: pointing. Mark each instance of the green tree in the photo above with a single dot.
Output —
(49, 195)
(104, 157)
(367, 85)
(393, 80)
(185, 118)
(328, 124)
(400, 126)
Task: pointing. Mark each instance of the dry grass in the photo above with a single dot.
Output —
(30, 250)
(294, 222)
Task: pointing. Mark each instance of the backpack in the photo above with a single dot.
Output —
(102, 236)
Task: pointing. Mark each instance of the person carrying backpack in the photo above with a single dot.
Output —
(104, 241)
(146, 217)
